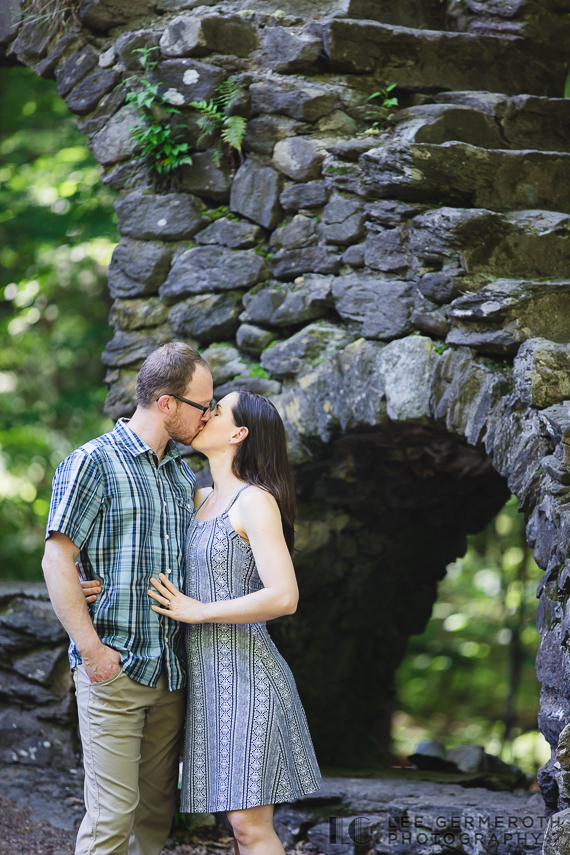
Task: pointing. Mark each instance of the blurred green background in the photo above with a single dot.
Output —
(468, 679)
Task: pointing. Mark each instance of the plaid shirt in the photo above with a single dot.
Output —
(128, 515)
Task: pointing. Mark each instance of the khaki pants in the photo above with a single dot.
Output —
(131, 738)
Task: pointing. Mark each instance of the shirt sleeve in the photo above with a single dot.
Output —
(77, 496)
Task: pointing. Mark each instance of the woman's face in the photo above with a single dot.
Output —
(220, 429)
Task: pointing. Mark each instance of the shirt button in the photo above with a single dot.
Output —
(189, 506)
(169, 570)
(167, 536)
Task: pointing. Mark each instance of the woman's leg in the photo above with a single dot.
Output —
(254, 832)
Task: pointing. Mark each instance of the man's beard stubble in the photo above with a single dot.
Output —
(178, 432)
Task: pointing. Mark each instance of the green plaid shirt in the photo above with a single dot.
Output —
(128, 514)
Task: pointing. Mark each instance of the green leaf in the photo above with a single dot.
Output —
(233, 131)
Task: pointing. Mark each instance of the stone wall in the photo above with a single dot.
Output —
(401, 295)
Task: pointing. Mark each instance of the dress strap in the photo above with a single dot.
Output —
(235, 497)
(202, 502)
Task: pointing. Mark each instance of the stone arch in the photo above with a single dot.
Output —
(413, 279)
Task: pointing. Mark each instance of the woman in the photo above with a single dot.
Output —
(247, 744)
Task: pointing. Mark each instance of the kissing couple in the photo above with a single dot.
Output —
(169, 646)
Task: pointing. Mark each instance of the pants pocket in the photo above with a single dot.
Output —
(110, 680)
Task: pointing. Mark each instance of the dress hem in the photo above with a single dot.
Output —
(185, 808)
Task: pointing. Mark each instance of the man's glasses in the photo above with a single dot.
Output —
(211, 406)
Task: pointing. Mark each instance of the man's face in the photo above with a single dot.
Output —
(187, 421)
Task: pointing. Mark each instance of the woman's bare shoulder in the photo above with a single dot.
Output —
(200, 495)
(257, 497)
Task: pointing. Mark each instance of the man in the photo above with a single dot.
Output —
(122, 503)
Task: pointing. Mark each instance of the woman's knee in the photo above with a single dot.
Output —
(247, 830)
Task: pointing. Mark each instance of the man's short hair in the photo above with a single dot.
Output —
(167, 371)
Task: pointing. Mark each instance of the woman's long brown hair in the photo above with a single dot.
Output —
(261, 458)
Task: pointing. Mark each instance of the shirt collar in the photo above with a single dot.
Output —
(137, 446)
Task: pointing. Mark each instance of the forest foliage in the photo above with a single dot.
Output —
(57, 232)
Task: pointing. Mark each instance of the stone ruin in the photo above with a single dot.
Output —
(400, 294)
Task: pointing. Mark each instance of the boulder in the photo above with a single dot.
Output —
(74, 68)
(374, 306)
(225, 363)
(300, 100)
(128, 45)
(315, 343)
(354, 255)
(385, 250)
(502, 315)
(128, 175)
(429, 318)
(408, 368)
(286, 52)
(263, 132)
(412, 13)
(212, 268)
(289, 263)
(235, 235)
(137, 314)
(138, 267)
(532, 122)
(105, 110)
(39, 665)
(466, 174)
(439, 123)
(390, 212)
(121, 401)
(31, 44)
(207, 317)
(301, 231)
(493, 104)
(557, 834)
(84, 97)
(311, 195)
(442, 287)
(193, 36)
(255, 193)
(174, 216)
(542, 372)
(441, 60)
(343, 219)
(10, 20)
(299, 158)
(259, 385)
(206, 179)
(104, 14)
(114, 142)
(192, 79)
(254, 339)
(282, 305)
(130, 347)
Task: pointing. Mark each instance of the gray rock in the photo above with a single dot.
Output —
(39, 666)
(352, 149)
(189, 36)
(263, 132)
(87, 94)
(254, 339)
(174, 216)
(289, 263)
(491, 103)
(211, 268)
(389, 212)
(137, 314)
(354, 255)
(103, 14)
(138, 267)
(192, 79)
(31, 43)
(298, 100)
(430, 318)
(374, 306)
(286, 52)
(306, 349)
(282, 305)
(129, 175)
(235, 235)
(385, 250)
(225, 363)
(301, 231)
(259, 385)
(107, 107)
(10, 20)
(114, 142)
(74, 68)
(255, 193)
(442, 287)
(312, 195)
(128, 44)
(206, 179)
(485, 178)
(408, 369)
(207, 317)
(507, 312)
(439, 123)
(35, 619)
(531, 122)
(336, 124)
(412, 13)
(130, 347)
(542, 372)
(299, 158)
(438, 60)
(343, 219)
(121, 399)
(468, 758)
(557, 834)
